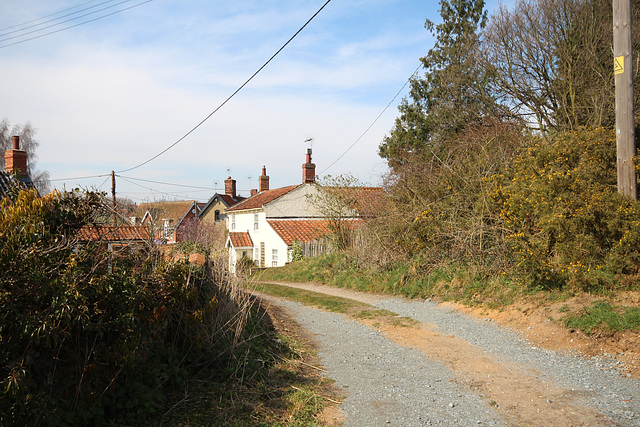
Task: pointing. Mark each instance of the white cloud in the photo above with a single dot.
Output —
(111, 95)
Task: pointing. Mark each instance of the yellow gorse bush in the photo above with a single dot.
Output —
(567, 223)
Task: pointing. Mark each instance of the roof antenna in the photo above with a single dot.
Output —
(310, 139)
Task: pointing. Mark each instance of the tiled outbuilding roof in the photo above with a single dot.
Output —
(261, 199)
(165, 210)
(367, 201)
(109, 233)
(240, 239)
(303, 230)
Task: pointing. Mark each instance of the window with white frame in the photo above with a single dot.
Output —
(255, 221)
(256, 255)
(274, 257)
(263, 255)
(233, 221)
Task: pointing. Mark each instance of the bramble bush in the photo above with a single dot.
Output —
(88, 336)
(568, 224)
(444, 198)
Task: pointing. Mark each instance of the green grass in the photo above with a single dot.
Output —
(355, 309)
(269, 385)
(468, 285)
(323, 301)
(605, 317)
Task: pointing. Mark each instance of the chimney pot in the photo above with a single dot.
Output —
(15, 160)
(263, 183)
(230, 187)
(308, 170)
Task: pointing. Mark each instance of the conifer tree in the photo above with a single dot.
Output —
(454, 91)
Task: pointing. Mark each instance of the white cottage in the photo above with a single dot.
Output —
(264, 227)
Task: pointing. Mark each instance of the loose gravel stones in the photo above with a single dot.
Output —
(388, 384)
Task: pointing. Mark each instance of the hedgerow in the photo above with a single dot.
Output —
(568, 226)
(89, 336)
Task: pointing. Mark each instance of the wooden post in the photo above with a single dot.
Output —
(625, 124)
(113, 195)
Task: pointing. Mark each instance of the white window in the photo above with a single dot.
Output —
(263, 262)
(256, 255)
(255, 221)
(274, 257)
(233, 221)
(165, 228)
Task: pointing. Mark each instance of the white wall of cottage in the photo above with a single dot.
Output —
(261, 236)
(295, 204)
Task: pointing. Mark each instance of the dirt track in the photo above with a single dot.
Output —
(519, 394)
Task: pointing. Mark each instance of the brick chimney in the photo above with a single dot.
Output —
(263, 184)
(254, 191)
(15, 160)
(230, 187)
(308, 170)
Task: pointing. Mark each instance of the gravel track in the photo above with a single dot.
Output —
(389, 384)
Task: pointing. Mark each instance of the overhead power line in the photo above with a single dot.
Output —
(230, 96)
(373, 123)
(70, 26)
(154, 190)
(25, 26)
(164, 183)
(80, 177)
(48, 16)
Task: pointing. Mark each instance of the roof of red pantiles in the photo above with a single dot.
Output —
(367, 201)
(240, 239)
(109, 233)
(303, 230)
(164, 210)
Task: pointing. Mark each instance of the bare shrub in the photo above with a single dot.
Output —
(441, 206)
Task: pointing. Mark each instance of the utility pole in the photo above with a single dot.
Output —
(113, 196)
(625, 123)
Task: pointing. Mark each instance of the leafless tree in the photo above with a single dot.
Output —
(553, 61)
(29, 144)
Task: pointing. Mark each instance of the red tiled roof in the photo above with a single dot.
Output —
(230, 201)
(262, 198)
(109, 233)
(367, 201)
(303, 230)
(240, 239)
(164, 210)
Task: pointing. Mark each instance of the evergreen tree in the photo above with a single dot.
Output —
(454, 91)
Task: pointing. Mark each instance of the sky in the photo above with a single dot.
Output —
(111, 94)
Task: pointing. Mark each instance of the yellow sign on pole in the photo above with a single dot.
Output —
(618, 65)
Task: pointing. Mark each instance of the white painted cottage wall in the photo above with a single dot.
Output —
(245, 222)
(295, 204)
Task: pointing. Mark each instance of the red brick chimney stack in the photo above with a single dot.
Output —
(308, 170)
(263, 184)
(230, 187)
(15, 160)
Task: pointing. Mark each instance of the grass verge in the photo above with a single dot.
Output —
(463, 284)
(604, 317)
(274, 382)
(356, 309)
